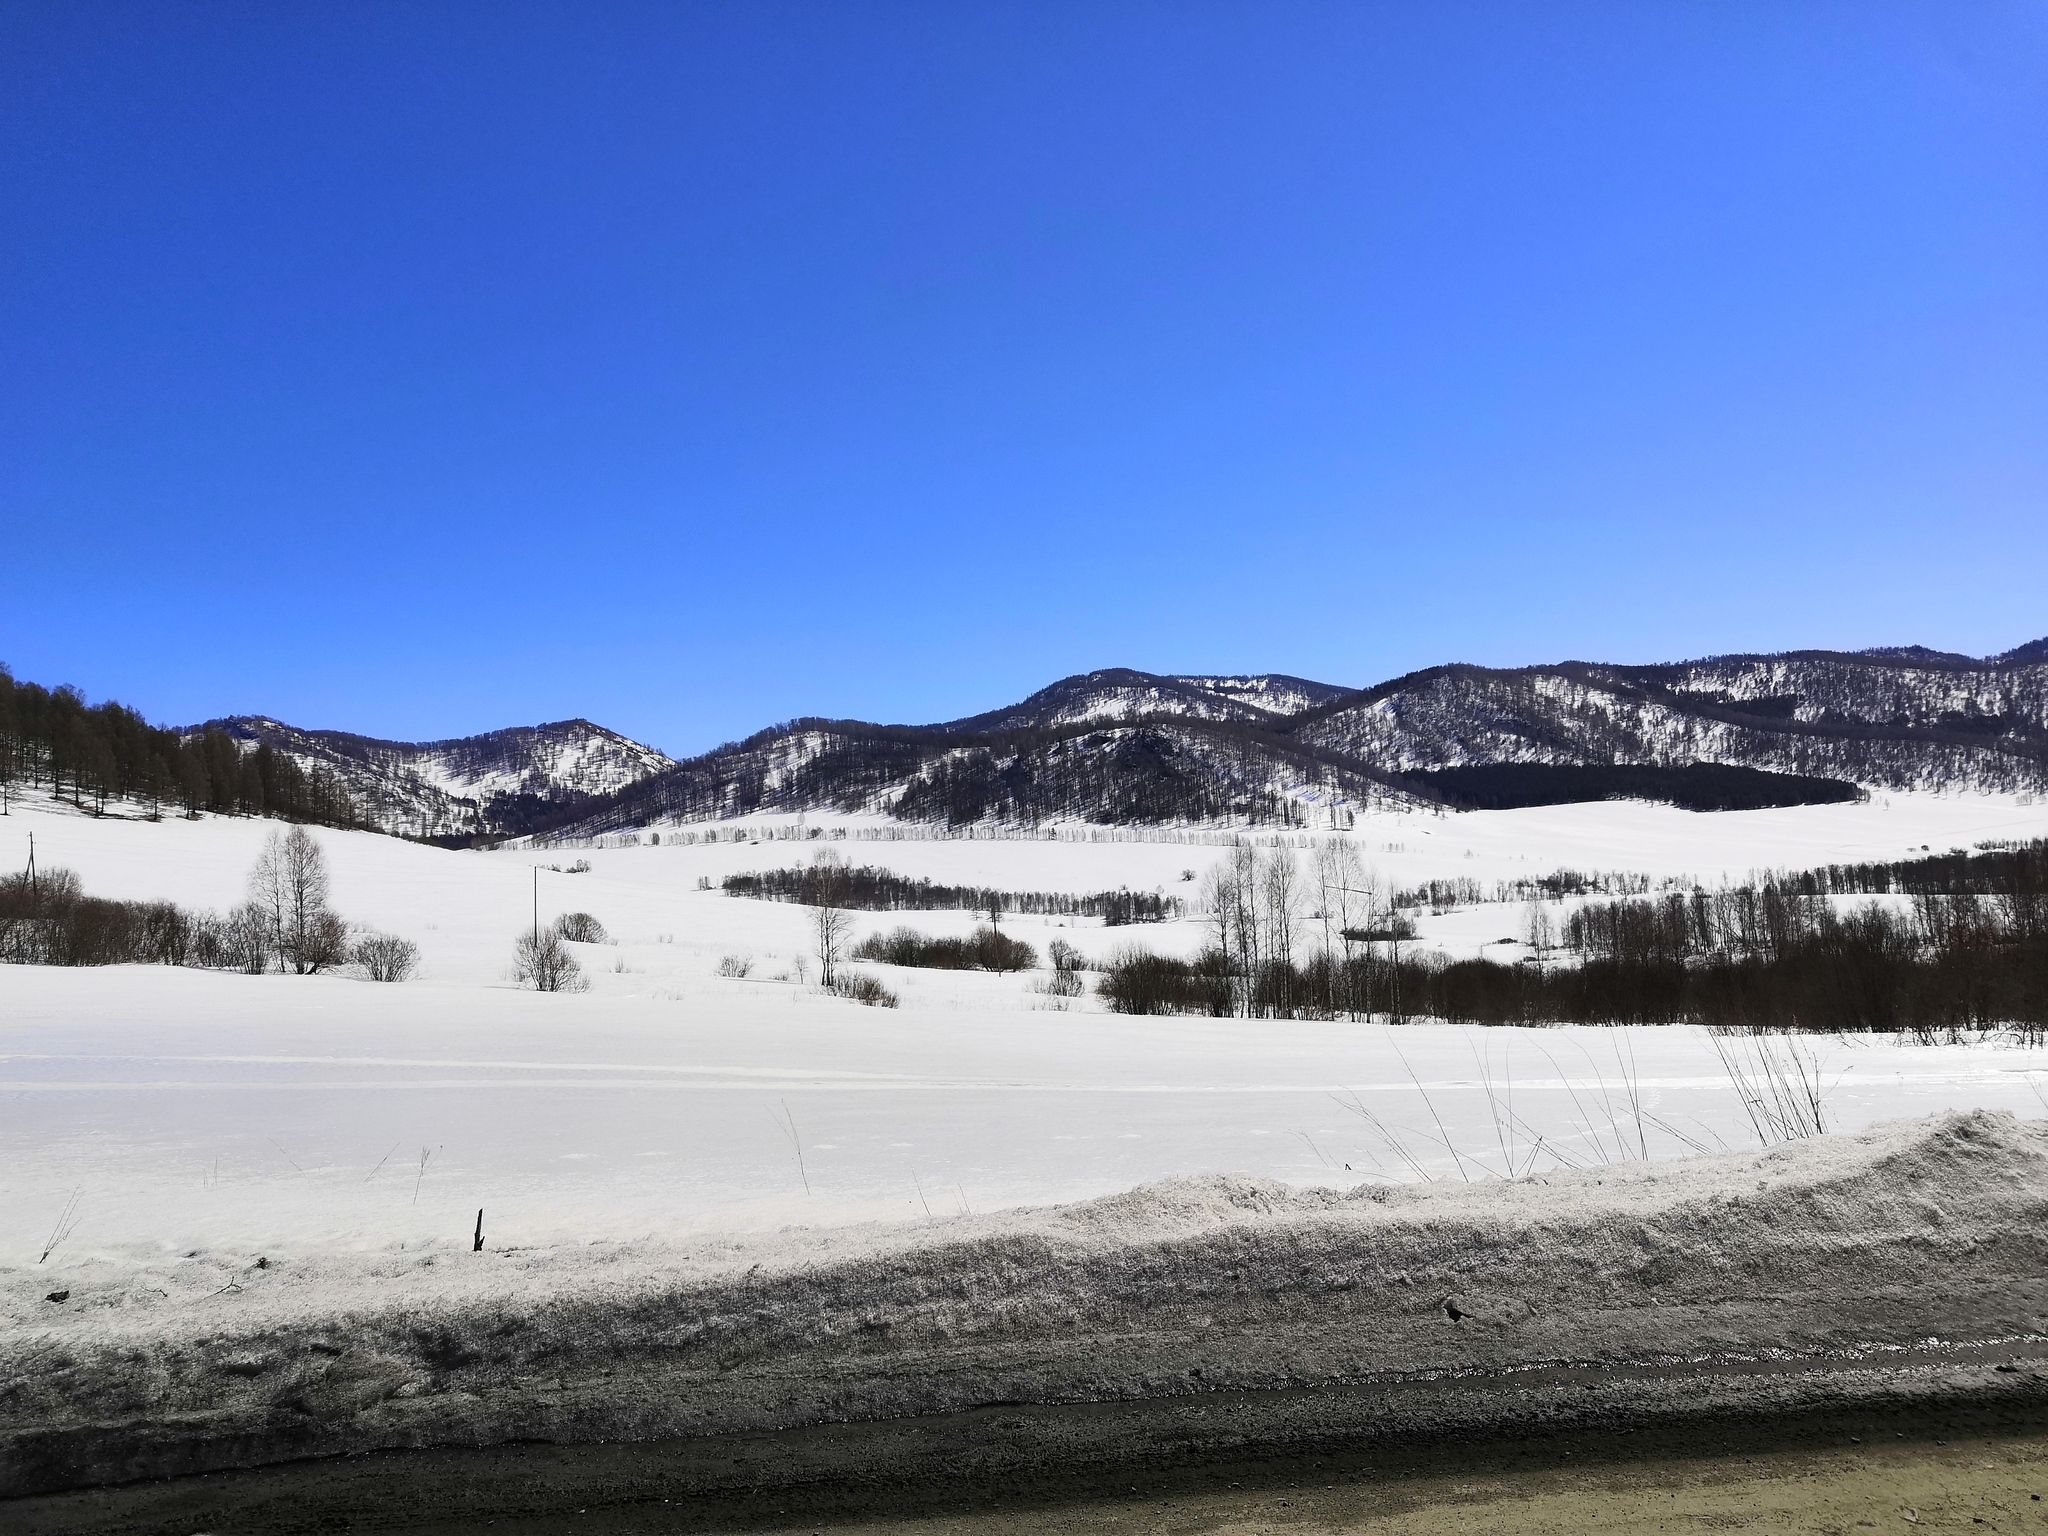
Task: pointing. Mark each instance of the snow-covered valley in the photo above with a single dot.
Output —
(173, 1110)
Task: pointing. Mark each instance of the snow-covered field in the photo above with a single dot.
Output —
(179, 1110)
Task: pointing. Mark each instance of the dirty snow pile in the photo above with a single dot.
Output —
(1835, 1246)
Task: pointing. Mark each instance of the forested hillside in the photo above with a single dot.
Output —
(1895, 719)
(96, 754)
(502, 783)
(1121, 747)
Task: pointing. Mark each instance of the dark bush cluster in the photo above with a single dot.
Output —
(51, 921)
(47, 919)
(872, 889)
(580, 928)
(1138, 981)
(987, 949)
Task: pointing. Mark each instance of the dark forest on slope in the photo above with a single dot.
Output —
(93, 754)
(1693, 787)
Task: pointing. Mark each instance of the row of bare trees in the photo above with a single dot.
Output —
(285, 924)
(1270, 918)
(1768, 955)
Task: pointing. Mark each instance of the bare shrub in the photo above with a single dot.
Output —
(321, 945)
(580, 928)
(1067, 965)
(542, 962)
(1137, 981)
(736, 967)
(384, 957)
(246, 940)
(863, 988)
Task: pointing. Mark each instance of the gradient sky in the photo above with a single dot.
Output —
(421, 369)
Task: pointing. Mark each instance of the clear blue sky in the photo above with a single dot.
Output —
(418, 369)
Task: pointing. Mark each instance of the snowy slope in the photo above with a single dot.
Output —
(1273, 692)
(1118, 694)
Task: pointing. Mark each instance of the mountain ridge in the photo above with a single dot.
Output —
(1117, 745)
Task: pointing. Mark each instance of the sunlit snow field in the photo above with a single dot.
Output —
(186, 1109)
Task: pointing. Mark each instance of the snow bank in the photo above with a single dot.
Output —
(1843, 1245)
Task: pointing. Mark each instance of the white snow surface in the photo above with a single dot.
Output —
(182, 1110)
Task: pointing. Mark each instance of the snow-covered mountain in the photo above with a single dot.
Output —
(502, 781)
(1120, 746)
(1118, 694)
(1893, 719)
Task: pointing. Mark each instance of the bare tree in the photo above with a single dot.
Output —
(1349, 893)
(290, 886)
(1254, 902)
(831, 923)
(1280, 896)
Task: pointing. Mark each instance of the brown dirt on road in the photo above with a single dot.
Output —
(1977, 1484)
(1962, 1467)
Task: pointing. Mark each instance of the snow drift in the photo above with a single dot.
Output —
(1840, 1246)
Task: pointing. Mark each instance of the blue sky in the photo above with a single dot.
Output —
(422, 369)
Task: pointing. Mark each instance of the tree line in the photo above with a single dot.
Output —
(286, 924)
(870, 888)
(97, 753)
(1967, 950)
